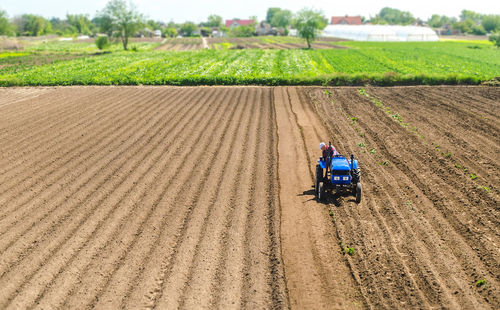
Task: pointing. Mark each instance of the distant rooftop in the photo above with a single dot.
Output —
(346, 20)
(238, 22)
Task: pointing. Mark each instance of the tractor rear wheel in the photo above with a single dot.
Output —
(319, 178)
(321, 191)
(358, 192)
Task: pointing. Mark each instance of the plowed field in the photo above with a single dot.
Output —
(201, 197)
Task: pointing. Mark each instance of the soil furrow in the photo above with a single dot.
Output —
(440, 269)
(78, 173)
(103, 197)
(210, 241)
(38, 119)
(105, 141)
(48, 143)
(111, 259)
(226, 284)
(173, 275)
(65, 154)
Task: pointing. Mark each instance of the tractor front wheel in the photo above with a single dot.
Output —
(358, 192)
(319, 178)
(321, 191)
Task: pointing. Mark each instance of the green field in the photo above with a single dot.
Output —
(362, 63)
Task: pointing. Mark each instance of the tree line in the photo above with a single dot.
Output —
(121, 20)
(469, 22)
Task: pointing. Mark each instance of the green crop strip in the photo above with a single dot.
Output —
(362, 63)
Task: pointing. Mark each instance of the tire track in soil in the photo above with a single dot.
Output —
(251, 285)
(458, 265)
(316, 273)
(104, 182)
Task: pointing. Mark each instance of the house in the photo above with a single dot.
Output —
(346, 20)
(264, 29)
(231, 23)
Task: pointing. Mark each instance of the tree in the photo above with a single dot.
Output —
(243, 31)
(214, 21)
(169, 32)
(270, 14)
(438, 21)
(478, 30)
(255, 20)
(309, 23)
(471, 15)
(104, 24)
(495, 38)
(125, 19)
(188, 28)
(282, 18)
(102, 42)
(6, 28)
(80, 23)
(491, 23)
(153, 25)
(34, 25)
(435, 21)
(393, 16)
(463, 26)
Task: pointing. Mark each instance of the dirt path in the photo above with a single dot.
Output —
(317, 274)
(204, 43)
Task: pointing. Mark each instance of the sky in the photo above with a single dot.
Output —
(198, 10)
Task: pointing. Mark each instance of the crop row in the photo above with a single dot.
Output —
(377, 63)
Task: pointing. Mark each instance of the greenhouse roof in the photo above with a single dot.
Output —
(380, 33)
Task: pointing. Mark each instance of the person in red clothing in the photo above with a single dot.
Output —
(327, 152)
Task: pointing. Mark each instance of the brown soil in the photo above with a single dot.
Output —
(201, 197)
(139, 197)
(426, 232)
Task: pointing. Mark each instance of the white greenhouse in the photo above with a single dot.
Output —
(380, 33)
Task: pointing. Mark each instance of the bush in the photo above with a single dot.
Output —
(169, 32)
(495, 38)
(243, 31)
(102, 43)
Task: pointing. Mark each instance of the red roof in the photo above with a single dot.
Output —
(346, 20)
(240, 22)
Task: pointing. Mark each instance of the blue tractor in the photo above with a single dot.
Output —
(337, 174)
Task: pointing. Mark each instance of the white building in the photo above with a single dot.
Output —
(380, 33)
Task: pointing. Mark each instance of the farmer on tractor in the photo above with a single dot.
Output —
(336, 173)
(327, 153)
